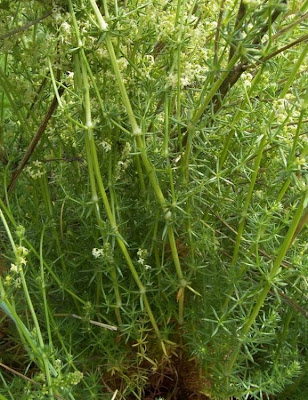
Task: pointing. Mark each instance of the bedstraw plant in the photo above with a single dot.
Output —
(153, 164)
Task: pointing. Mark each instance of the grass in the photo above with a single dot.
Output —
(153, 160)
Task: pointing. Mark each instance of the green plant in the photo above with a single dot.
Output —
(154, 172)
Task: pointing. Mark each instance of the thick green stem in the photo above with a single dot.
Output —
(150, 170)
(82, 64)
(101, 187)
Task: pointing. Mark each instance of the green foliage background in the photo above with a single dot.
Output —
(166, 196)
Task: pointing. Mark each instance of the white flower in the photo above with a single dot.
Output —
(105, 145)
(212, 25)
(171, 80)
(14, 268)
(300, 161)
(66, 27)
(104, 26)
(37, 163)
(97, 252)
(279, 107)
(149, 59)
(17, 283)
(22, 251)
(127, 149)
(36, 170)
(247, 78)
(21, 261)
(142, 255)
(122, 63)
(70, 76)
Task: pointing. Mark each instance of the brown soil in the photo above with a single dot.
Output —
(174, 379)
(178, 380)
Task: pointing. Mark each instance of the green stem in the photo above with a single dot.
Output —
(81, 63)
(47, 312)
(106, 203)
(41, 353)
(150, 170)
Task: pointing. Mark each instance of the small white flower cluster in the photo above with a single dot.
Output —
(21, 251)
(65, 32)
(280, 109)
(161, 117)
(142, 255)
(247, 78)
(300, 161)
(14, 268)
(66, 133)
(126, 150)
(276, 207)
(97, 253)
(66, 27)
(20, 254)
(287, 134)
(165, 25)
(285, 107)
(102, 54)
(122, 63)
(57, 12)
(105, 145)
(58, 364)
(70, 78)
(191, 74)
(171, 80)
(148, 59)
(36, 169)
(105, 252)
(211, 26)
(75, 377)
(121, 167)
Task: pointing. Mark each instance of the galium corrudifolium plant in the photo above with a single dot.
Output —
(170, 182)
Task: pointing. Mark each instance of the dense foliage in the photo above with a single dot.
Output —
(154, 179)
